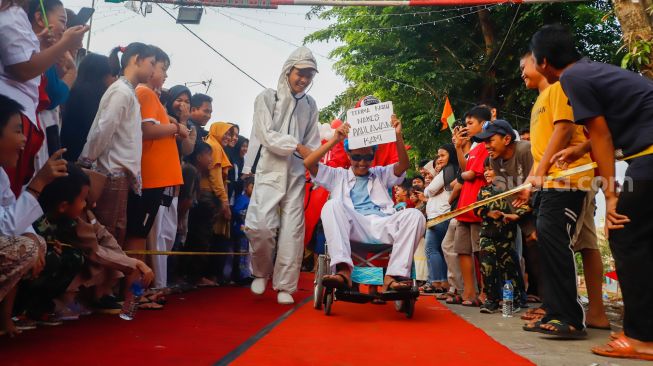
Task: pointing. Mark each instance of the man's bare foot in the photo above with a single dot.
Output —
(598, 321)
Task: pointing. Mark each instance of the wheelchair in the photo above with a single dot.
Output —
(365, 272)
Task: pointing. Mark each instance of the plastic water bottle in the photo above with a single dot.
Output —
(130, 305)
(508, 297)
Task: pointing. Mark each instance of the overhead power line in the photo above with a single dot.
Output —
(212, 48)
(373, 29)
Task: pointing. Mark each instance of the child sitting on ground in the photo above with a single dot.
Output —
(62, 201)
(498, 230)
(90, 257)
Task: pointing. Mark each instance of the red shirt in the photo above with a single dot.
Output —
(469, 192)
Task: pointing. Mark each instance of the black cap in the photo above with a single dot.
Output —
(496, 127)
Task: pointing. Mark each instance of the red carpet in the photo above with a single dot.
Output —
(196, 328)
(377, 335)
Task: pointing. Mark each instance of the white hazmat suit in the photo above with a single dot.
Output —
(275, 217)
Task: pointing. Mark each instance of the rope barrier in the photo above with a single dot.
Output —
(562, 174)
(161, 252)
(430, 223)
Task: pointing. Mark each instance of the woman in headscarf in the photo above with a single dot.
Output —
(220, 134)
(438, 192)
(177, 105)
(236, 156)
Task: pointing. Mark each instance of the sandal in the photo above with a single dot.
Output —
(532, 326)
(337, 281)
(620, 347)
(396, 286)
(427, 289)
(562, 330)
(472, 303)
(454, 300)
(534, 314)
(147, 304)
(533, 299)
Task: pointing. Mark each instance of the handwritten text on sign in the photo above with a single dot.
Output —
(370, 125)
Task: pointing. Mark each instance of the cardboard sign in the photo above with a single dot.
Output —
(370, 125)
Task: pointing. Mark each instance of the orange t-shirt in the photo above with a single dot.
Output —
(160, 165)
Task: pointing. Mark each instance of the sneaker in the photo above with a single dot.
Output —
(258, 285)
(489, 307)
(80, 309)
(66, 314)
(49, 320)
(285, 298)
(24, 323)
(107, 305)
(517, 308)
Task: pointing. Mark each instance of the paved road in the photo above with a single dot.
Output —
(539, 349)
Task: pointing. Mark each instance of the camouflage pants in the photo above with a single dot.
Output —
(498, 266)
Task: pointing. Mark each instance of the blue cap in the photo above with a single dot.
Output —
(496, 127)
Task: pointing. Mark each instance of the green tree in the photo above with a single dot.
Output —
(417, 56)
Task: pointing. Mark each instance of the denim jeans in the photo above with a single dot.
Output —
(434, 257)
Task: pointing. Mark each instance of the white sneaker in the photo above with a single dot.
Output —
(285, 298)
(258, 285)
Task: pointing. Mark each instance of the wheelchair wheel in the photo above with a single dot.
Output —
(409, 308)
(318, 288)
(328, 302)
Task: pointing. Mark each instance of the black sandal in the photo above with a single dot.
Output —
(562, 330)
(330, 281)
(532, 327)
(428, 289)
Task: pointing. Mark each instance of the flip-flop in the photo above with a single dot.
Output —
(620, 347)
(443, 296)
(534, 314)
(149, 306)
(331, 281)
(562, 330)
(402, 287)
(532, 327)
(471, 303)
(533, 299)
(454, 300)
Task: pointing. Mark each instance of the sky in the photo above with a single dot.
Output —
(260, 52)
(229, 31)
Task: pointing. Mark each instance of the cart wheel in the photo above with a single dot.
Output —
(409, 308)
(399, 305)
(328, 301)
(318, 287)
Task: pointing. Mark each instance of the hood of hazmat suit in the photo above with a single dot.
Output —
(276, 213)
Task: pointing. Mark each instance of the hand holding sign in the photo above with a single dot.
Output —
(396, 124)
(372, 125)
